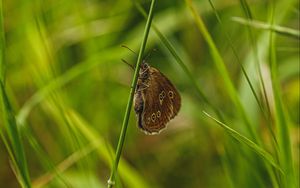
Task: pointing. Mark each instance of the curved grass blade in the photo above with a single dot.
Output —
(242, 139)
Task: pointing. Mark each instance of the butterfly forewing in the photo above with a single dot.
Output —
(157, 103)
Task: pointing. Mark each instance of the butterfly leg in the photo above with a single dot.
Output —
(144, 86)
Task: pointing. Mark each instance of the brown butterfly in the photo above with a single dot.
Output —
(156, 100)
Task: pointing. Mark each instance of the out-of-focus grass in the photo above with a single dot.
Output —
(67, 88)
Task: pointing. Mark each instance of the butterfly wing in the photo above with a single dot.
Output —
(161, 103)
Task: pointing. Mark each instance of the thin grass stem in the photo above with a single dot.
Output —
(111, 180)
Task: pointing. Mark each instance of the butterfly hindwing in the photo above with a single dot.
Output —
(161, 103)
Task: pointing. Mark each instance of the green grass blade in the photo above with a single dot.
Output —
(242, 139)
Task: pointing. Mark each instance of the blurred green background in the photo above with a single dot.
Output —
(68, 89)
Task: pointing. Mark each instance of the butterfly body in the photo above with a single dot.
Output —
(156, 100)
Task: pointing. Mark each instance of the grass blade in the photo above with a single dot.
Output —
(111, 180)
(242, 139)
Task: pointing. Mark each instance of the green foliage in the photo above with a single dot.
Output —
(64, 93)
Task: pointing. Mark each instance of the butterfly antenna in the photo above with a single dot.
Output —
(124, 61)
(124, 46)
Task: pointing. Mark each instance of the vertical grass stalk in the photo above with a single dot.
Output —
(111, 180)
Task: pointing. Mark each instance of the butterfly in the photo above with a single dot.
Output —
(156, 100)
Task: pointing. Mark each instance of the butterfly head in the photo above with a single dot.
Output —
(144, 71)
(144, 65)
